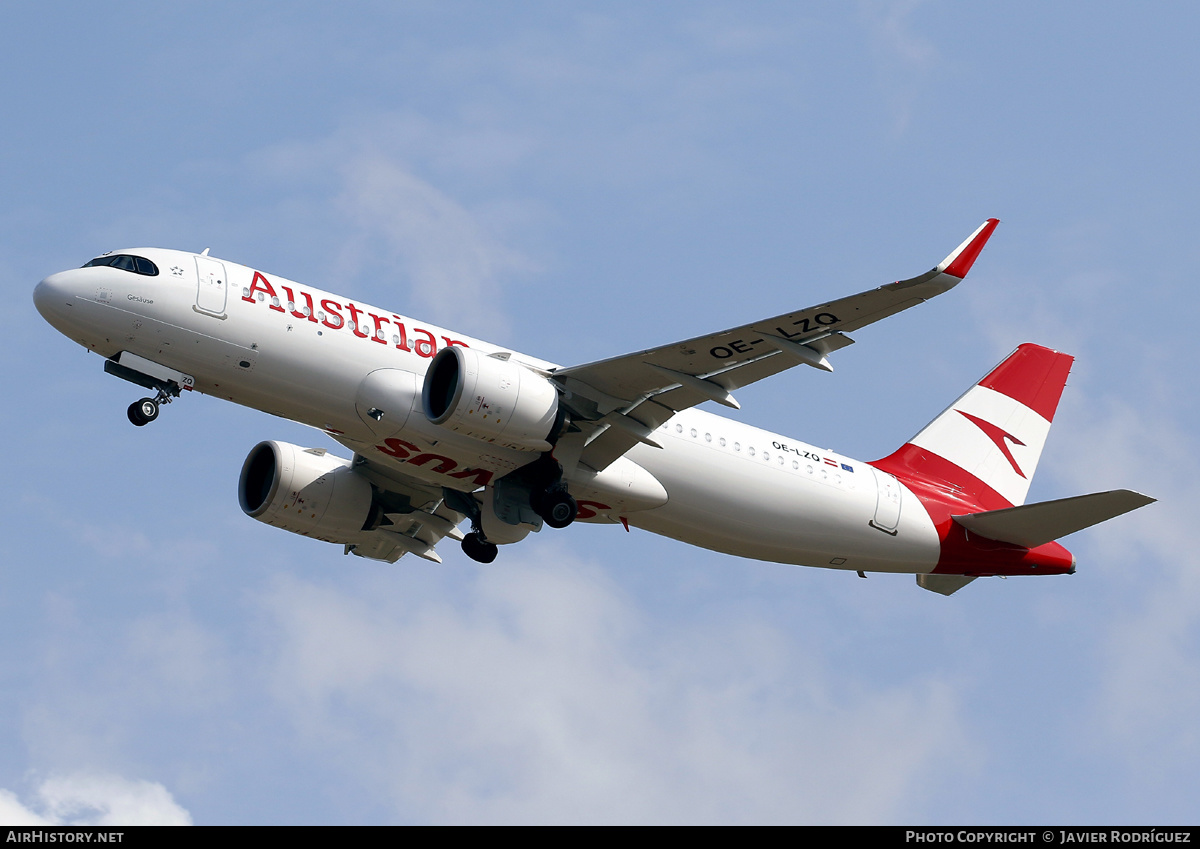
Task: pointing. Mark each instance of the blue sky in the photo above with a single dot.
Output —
(577, 181)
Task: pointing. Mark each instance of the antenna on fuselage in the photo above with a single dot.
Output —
(205, 252)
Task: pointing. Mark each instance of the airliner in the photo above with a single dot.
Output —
(445, 429)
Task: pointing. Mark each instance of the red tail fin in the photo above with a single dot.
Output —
(984, 449)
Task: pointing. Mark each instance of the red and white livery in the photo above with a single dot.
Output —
(445, 429)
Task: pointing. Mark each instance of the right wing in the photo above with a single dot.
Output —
(619, 402)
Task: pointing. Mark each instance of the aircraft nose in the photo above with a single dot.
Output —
(54, 297)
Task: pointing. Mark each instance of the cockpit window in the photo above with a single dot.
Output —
(125, 262)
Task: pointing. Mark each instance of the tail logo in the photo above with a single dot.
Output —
(997, 435)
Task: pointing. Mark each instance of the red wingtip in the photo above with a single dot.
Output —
(960, 262)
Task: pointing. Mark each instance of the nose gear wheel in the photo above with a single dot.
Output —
(145, 410)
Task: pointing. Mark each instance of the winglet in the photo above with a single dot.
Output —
(960, 262)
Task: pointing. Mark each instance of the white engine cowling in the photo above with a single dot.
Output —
(305, 491)
(491, 399)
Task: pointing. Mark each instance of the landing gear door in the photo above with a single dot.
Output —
(211, 286)
(888, 501)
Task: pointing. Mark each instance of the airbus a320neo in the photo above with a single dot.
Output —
(443, 429)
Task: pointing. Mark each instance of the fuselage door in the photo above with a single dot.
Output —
(888, 500)
(211, 286)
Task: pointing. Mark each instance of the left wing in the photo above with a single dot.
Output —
(619, 402)
(415, 516)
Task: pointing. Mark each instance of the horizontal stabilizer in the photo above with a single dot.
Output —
(1031, 525)
(944, 584)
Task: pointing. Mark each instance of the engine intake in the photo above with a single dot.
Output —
(488, 398)
(307, 492)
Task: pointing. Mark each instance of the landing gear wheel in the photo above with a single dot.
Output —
(143, 412)
(560, 508)
(478, 548)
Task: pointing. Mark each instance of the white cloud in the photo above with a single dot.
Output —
(454, 265)
(111, 692)
(905, 59)
(94, 799)
(12, 812)
(889, 22)
(549, 696)
(1122, 423)
(1150, 692)
(388, 198)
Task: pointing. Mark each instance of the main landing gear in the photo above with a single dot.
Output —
(144, 411)
(537, 486)
(479, 549)
(548, 494)
(475, 545)
(556, 506)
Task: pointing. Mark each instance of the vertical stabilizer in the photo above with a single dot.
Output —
(985, 447)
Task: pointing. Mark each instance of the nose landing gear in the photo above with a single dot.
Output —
(165, 382)
(144, 411)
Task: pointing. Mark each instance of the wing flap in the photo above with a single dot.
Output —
(1031, 525)
(415, 516)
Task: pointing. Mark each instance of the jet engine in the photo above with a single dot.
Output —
(306, 491)
(492, 399)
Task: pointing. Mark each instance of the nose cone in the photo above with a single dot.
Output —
(53, 296)
(61, 299)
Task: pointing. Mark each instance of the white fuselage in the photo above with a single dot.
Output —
(302, 353)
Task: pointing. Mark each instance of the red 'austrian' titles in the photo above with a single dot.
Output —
(422, 343)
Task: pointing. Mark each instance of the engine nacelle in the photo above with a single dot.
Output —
(305, 491)
(491, 399)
